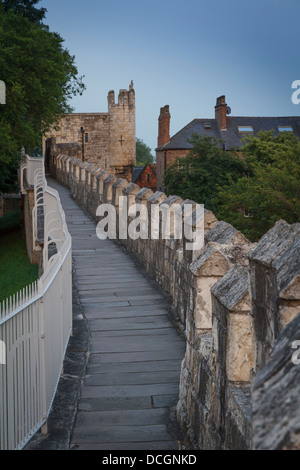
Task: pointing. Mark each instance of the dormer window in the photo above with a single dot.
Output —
(285, 129)
(245, 129)
(207, 125)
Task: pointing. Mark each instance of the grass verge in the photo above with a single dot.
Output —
(16, 271)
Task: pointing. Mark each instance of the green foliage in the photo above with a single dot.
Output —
(251, 191)
(16, 271)
(10, 221)
(40, 77)
(26, 8)
(199, 175)
(143, 153)
(8, 176)
(270, 192)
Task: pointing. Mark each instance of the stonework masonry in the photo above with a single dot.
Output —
(105, 139)
(237, 304)
(164, 158)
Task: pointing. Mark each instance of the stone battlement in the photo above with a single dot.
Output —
(105, 139)
(234, 301)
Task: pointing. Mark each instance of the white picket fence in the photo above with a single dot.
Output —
(35, 327)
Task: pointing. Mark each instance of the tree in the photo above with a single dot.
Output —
(199, 175)
(25, 8)
(143, 153)
(271, 189)
(40, 77)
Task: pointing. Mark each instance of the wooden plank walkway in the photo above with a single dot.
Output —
(132, 375)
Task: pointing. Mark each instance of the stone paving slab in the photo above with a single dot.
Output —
(123, 312)
(134, 378)
(128, 403)
(103, 419)
(165, 445)
(129, 323)
(143, 356)
(130, 433)
(132, 344)
(126, 390)
(148, 366)
(131, 381)
(105, 333)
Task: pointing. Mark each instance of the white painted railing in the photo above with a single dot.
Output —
(35, 326)
(29, 166)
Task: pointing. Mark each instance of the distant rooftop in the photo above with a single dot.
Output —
(231, 129)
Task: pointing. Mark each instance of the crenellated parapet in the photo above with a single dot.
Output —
(232, 299)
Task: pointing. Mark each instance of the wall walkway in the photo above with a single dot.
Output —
(131, 384)
(232, 298)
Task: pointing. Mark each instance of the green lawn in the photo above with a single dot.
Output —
(16, 271)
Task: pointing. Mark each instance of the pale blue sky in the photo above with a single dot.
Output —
(183, 53)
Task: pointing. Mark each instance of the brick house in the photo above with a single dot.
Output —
(145, 176)
(229, 129)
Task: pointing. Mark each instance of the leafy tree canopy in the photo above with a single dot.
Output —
(143, 153)
(26, 8)
(40, 77)
(250, 190)
(271, 189)
(199, 175)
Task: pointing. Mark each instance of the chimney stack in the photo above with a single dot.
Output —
(163, 126)
(220, 112)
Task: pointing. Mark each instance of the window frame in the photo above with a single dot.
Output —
(245, 129)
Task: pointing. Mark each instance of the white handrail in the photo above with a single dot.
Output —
(35, 324)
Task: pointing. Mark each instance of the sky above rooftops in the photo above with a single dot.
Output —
(184, 54)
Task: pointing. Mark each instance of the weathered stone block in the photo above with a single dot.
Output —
(274, 265)
(226, 234)
(275, 396)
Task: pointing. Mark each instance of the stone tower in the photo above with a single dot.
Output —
(122, 132)
(105, 139)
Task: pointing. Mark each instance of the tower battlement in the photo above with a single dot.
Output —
(106, 139)
(125, 97)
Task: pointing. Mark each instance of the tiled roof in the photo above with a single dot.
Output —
(231, 136)
(180, 140)
(136, 173)
(139, 170)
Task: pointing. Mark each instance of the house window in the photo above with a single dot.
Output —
(243, 129)
(86, 137)
(285, 129)
(148, 177)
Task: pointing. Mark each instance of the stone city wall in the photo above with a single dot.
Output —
(233, 300)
